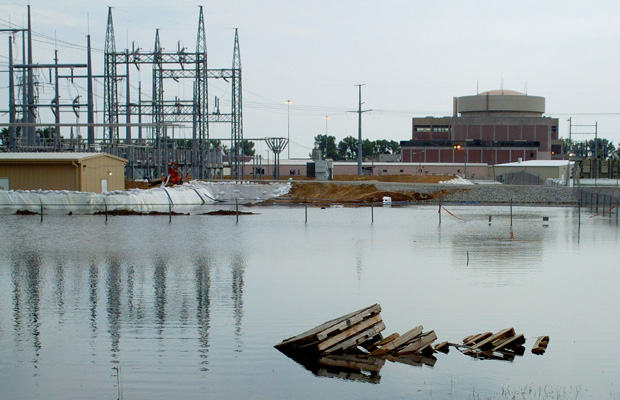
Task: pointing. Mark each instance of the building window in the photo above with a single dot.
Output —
(531, 155)
(385, 170)
(422, 128)
(402, 170)
(554, 129)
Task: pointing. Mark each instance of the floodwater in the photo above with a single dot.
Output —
(140, 308)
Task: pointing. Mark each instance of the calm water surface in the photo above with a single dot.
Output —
(142, 309)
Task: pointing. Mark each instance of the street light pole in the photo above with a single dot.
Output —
(325, 155)
(288, 127)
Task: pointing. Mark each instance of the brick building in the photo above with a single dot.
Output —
(494, 127)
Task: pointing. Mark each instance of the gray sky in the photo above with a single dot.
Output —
(413, 56)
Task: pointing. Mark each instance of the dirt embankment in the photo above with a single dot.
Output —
(330, 193)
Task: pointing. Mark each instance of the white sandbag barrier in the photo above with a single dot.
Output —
(189, 198)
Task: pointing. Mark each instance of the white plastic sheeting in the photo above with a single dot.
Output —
(188, 198)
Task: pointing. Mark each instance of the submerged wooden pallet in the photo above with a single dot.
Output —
(352, 346)
(339, 334)
(504, 345)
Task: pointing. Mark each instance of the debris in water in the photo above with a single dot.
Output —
(540, 346)
(352, 346)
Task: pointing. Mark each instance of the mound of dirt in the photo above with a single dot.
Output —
(338, 193)
(227, 212)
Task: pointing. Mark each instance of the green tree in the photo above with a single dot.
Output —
(394, 147)
(347, 148)
(248, 148)
(368, 148)
(319, 143)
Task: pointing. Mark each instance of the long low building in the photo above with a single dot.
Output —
(83, 172)
(303, 167)
(533, 172)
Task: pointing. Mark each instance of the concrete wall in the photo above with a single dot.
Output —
(550, 172)
(501, 103)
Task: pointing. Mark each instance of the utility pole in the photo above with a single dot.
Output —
(359, 129)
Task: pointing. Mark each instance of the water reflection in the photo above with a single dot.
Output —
(159, 284)
(93, 282)
(238, 269)
(113, 305)
(202, 274)
(359, 259)
(352, 367)
(59, 293)
(26, 270)
(131, 272)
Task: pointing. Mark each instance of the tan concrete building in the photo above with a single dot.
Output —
(84, 172)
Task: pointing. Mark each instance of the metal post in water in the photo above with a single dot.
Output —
(579, 212)
(439, 213)
(169, 211)
(105, 206)
(306, 207)
(237, 209)
(490, 218)
(596, 210)
(511, 213)
(372, 213)
(41, 201)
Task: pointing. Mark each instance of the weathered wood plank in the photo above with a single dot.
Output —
(399, 341)
(488, 342)
(355, 329)
(473, 339)
(424, 340)
(311, 334)
(443, 347)
(348, 321)
(509, 343)
(540, 346)
(357, 339)
(386, 340)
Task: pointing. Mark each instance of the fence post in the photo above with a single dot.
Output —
(41, 201)
(306, 212)
(596, 210)
(237, 209)
(372, 213)
(105, 206)
(439, 213)
(511, 212)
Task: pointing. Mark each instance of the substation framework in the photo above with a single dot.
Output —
(147, 155)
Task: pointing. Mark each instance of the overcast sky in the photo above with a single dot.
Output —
(413, 57)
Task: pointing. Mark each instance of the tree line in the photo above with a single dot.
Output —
(602, 147)
(347, 148)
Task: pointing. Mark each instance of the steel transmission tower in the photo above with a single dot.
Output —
(200, 131)
(166, 114)
(237, 163)
(110, 105)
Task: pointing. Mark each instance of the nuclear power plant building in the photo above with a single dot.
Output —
(494, 127)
